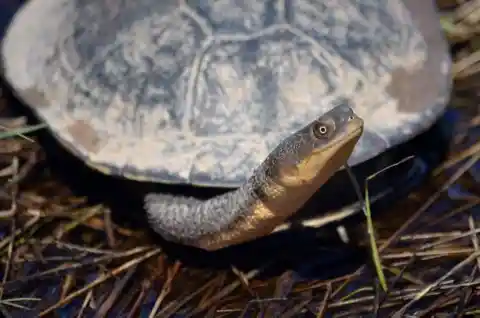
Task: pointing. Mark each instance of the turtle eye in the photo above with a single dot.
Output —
(320, 130)
(351, 117)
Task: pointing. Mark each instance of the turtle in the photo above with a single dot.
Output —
(201, 92)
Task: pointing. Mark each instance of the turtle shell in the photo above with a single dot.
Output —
(199, 92)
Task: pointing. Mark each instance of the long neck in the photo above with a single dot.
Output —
(253, 210)
(261, 204)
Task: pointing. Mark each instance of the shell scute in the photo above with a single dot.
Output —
(227, 17)
(261, 85)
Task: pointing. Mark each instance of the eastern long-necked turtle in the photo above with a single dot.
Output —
(200, 92)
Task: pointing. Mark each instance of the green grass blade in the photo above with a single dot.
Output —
(21, 131)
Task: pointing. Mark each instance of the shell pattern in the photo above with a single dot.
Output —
(200, 92)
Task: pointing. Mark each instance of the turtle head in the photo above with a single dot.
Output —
(314, 153)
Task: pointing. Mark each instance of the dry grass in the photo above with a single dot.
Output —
(61, 255)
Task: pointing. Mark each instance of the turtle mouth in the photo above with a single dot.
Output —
(343, 141)
(326, 152)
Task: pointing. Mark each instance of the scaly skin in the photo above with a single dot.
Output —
(278, 188)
